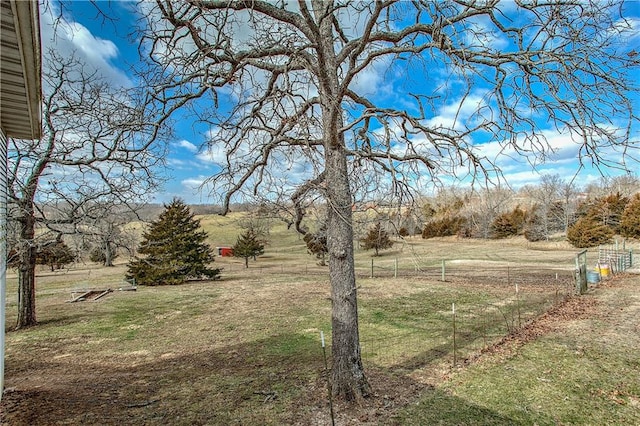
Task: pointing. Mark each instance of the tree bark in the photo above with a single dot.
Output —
(348, 379)
(108, 254)
(27, 271)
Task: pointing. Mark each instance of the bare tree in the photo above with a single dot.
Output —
(282, 88)
(96, 145)
(103, 231)
(484, 206)
(626, 185)
(552, 204)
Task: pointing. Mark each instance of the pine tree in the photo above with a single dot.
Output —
(56, 254)
(173, 249)
(377, 239)
(630, 222)
(248, 245)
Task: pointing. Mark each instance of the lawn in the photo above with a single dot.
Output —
(246, 349)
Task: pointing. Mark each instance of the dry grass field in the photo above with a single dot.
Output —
(246, 349)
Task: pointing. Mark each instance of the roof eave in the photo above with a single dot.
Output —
(27, 25)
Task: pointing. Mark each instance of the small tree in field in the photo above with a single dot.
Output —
(317, 243)
(173, 249)
(56, 254)
(248, 245)
(377, 239)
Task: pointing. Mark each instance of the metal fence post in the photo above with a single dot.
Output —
(395, 269)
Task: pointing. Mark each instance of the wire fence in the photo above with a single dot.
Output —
(453, 335)
(490, 301)
(484, 302)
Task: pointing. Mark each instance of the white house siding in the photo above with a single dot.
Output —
(3, 251)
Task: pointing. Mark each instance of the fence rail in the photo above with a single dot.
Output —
(618, 259)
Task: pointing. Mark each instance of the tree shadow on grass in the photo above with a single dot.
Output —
(436, 407)
(277, 380)
(255, 383)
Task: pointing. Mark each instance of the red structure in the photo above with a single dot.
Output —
(225, 251)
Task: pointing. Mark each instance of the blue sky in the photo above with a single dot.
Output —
(107, 46)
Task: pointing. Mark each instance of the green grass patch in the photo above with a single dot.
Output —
(417, 329)
(560, 378)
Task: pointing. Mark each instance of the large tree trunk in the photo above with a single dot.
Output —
(348, 374)
(348, 379)
(27, 271)
(108, 254)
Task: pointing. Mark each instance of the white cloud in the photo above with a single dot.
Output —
(68, 38)
(371, 80)
(193, 183)
(187, 145)
(456, 114)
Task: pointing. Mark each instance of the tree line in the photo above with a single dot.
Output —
(586, 217)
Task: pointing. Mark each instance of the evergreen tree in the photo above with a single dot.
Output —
(588, 232)
(248, 245)
(377, 239)
(56, 254)
(508, 224)
(444, 227)
(98, 255)
(173, 249)
(630, 222)
(608, 210)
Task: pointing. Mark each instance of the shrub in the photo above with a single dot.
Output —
(447, 226)
(587, 232)
(630, 222)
